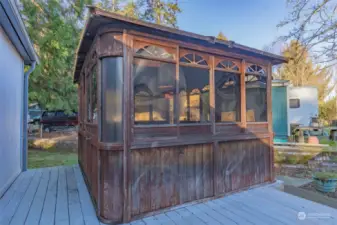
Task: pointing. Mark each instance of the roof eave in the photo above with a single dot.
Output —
(13, 25)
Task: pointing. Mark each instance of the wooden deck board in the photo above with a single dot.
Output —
(58, 195)
(27, 200)
(62, 211)
(75, 211)
(34, 215)
(48, 211)
(89, 214)
(9, 210)
(6, 198)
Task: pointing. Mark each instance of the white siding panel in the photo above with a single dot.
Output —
(11, 107)
(308, 97)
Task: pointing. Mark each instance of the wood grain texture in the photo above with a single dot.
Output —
(112, 185)
(243, 95)
(164, 177)
(242, 164)
(263, 205)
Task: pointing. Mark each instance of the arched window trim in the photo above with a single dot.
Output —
(222, 65)
(138, 46)
(196, 60)
(256, 69)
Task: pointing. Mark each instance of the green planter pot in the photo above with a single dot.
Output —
(325, 186)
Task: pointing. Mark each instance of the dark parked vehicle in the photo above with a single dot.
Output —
(53, 119)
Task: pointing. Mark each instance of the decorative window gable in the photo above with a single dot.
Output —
(154, 52)
(256, 69)
(228, 65)
(193, 58)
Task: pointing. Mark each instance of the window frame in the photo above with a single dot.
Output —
(298, 105)
(88, 82)
(155, 122)
(257, 73)
(207, 58)
(179, 49)
(139, 43)
(238, 73)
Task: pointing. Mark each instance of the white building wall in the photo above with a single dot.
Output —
(11, 111)
(308, 97)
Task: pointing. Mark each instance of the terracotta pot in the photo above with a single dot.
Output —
(313, 140)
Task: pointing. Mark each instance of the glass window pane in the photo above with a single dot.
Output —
(227, 97)
(94, 95)
(112, 100)
(294, 103)
(88, 98)
(194, 95)
(154, 90)
(256, 98)
(154, 51)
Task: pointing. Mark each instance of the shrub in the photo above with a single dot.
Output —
(324, 176)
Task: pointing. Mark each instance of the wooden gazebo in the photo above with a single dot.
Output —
(169, 117)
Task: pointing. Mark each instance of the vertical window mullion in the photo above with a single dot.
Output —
(212, 93)
(243, 96)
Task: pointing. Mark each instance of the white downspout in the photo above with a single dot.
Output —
(25, 117)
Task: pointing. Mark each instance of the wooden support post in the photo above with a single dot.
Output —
(243, 96)
(127, 63)
(177, 95)
(212, 94)
(270, 120)
(99, 122)
(216, 171)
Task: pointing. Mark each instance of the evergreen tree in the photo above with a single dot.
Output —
(55, 27)
(161, 12)
(301, 71)
(221, 36)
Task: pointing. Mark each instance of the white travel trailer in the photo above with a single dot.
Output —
(303, 105)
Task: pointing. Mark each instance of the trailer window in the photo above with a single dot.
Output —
(294, 103)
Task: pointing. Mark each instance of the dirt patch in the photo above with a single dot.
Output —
(294, 171)
(311, 187)
(58, 141)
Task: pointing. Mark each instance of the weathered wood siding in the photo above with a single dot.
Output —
(164, 177)
(112, 185)
(88, 158)
(241, 164)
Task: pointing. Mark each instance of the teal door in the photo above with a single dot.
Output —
(280, 118)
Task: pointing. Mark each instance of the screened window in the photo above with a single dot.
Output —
(154, 91)
(294, 103)
(91, 96)
(88, 99)
(194, 95)
(112, 99)
(227, 96)
(256, 94)
(94, 95)
(193, 58)
(154, 52)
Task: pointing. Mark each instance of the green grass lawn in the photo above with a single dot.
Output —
(45, 158)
